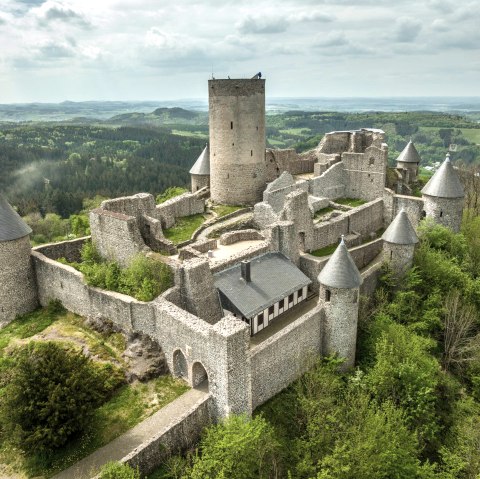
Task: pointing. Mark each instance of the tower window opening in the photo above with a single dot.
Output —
(251, 152)
(441, 213)
(231, 125)
(328, 295)
(391, 254)
(257, 128)
(355, 297)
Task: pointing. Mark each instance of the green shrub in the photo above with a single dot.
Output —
(116, 470)
(170, 193)
(144, 279)
(51, 396)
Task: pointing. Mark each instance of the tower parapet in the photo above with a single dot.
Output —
(237, 140)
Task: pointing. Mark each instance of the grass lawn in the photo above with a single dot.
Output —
(127, 407)
(184, 228)
(327, 250)
(323, 212)
(350, 201)
(472, 134)
(223, 210)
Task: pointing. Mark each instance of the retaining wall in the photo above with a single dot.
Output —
(183, 205)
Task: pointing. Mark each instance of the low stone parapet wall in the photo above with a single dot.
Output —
(70, 250)
(187, 204)
(243, 235)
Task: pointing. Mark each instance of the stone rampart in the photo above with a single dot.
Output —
(367, 218)
(325, 234)
(285, 356)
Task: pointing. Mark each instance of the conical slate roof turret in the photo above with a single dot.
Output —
(409, 154)
(12, 227)
(340, 270)
(202, 165)
(400, 230)
(445, 182)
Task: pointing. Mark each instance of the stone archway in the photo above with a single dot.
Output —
(180, 366)
(199, 375)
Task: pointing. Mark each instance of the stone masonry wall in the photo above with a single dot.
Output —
(70, 250)
(182, 434)
(116, 236)
(330, 184)
(394, 203)
(277, 191)
(284, 356)
(400, 256)
(18, 294)
(218, 348)
(340, 326)
(445, 211)
(183, 205)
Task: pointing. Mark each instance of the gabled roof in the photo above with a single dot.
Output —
(340, 270)
(409, 154)
(273, 277)
(400, 230)
(12, 227)
(445, 182)
(202, 165)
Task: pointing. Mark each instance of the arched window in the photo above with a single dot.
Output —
(180, 368)
(199, 375)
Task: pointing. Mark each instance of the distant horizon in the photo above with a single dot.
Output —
(205, 99)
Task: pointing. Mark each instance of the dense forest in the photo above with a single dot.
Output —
(51, 167)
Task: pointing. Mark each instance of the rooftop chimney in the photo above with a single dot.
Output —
(245, 268)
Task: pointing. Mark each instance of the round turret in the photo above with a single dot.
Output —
(399, 242)
(200, 171)
(18, 293)
(443, 197)
(339, 292)
(408, 160)
(237, 140)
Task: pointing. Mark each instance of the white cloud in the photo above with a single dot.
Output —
(407, 29)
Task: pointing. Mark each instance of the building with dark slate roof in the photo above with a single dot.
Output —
(261, 289)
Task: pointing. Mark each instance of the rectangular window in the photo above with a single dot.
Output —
(300, 293)
(328, 294)
(260, 320)
(231, 125)
(290, 298)
(271, 310)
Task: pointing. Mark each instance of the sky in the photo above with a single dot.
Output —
(78, 50)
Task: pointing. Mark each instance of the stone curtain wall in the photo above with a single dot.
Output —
(364, 220)
(222, 349)
(70, 250)
(394, 203)
(18, 292)
(285, 356)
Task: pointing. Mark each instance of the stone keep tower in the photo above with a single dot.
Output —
(18, 293)
(443, 197)
(340, 283)
(237, 140)
(399, 242)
